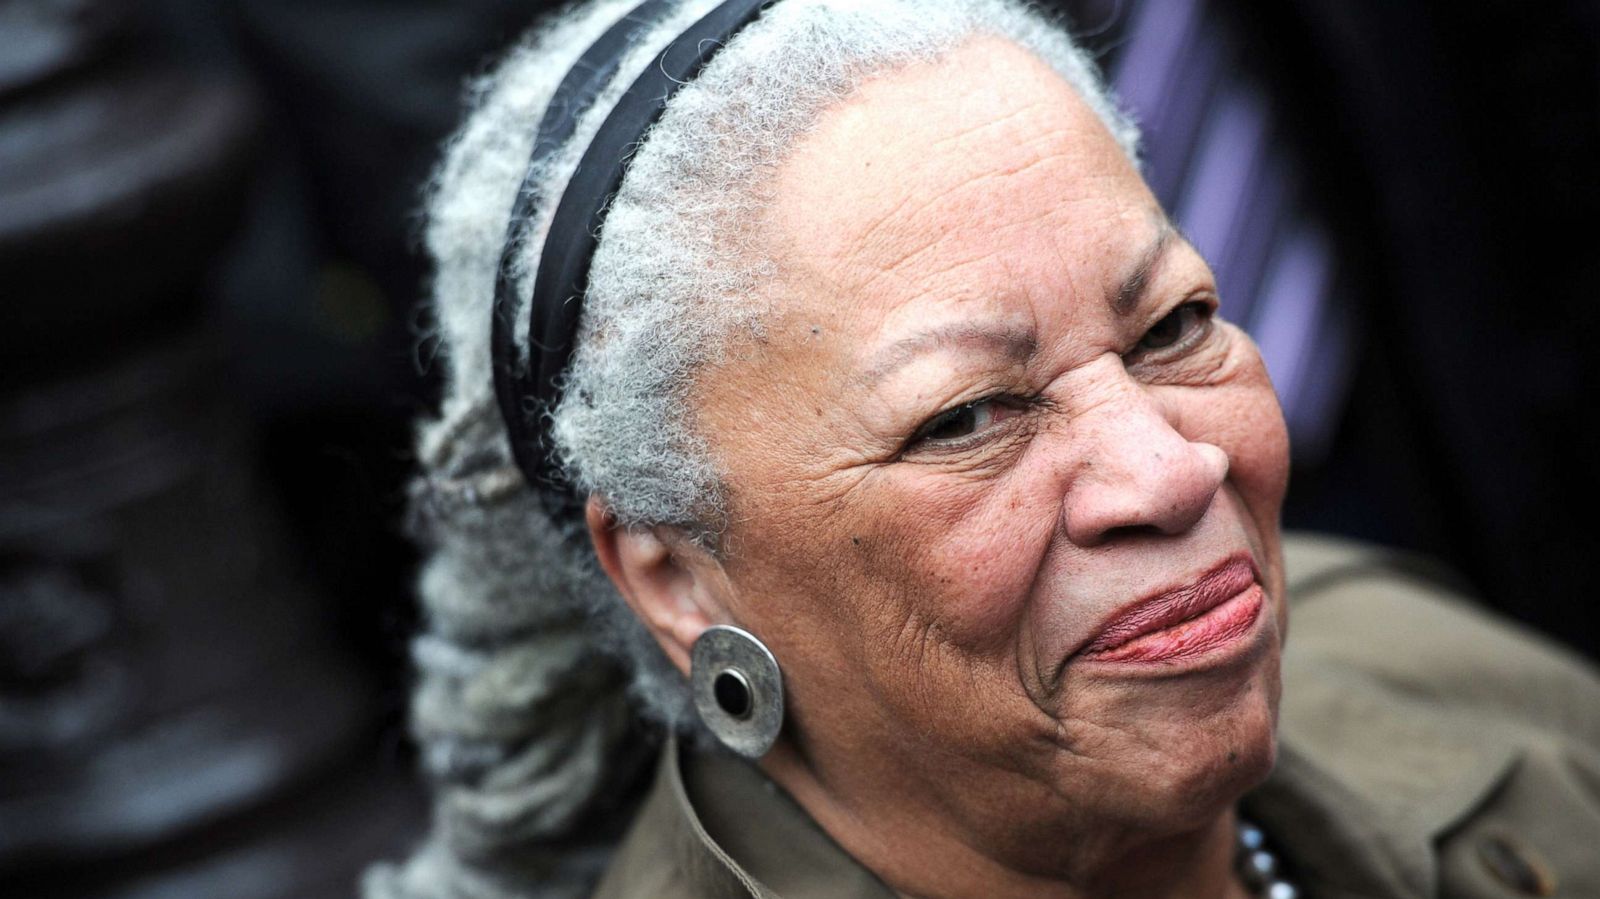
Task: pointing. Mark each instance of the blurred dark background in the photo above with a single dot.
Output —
(214, 347)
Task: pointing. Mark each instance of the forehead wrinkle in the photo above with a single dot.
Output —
(945, 282)
(912, 255)
(994, 104)
(914, 209)
(978, 129)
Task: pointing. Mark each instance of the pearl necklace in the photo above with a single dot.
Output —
(1259, 867)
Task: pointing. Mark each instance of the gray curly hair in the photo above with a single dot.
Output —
(532, 674)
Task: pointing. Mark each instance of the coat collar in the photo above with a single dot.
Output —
(1365, 785)
(733, 834)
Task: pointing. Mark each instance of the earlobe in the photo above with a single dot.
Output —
(665, 588)
(671, 584)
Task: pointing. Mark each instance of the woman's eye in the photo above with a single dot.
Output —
(964, 421)
(1177, 326)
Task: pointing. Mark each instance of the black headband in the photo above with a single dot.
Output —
(527, 395)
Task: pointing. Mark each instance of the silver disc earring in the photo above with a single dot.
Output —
(738, 689)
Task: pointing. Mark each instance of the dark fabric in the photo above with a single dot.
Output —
(1454, 146)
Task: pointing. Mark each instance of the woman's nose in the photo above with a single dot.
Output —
(1139, 474)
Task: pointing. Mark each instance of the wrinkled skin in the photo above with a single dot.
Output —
(951, 240)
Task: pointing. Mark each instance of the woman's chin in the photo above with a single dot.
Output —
(1186, 785)
(1180, 743)
(1199, 785)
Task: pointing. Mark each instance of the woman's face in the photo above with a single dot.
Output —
(993, 429)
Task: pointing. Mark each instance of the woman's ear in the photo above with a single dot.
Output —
(670, 582)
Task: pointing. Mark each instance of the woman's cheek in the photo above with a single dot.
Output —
(1263, 443)
(1248, 425)
(1239, 412)
(956, 552)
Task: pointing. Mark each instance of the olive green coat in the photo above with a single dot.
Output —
(1426, 749)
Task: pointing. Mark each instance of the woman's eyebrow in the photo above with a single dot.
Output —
(1133, 286)
(1015, 343)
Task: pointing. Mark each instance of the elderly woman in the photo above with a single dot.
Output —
(831, 371)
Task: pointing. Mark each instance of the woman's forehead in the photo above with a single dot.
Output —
(933, 182)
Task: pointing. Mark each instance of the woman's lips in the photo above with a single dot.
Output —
(1218, 609)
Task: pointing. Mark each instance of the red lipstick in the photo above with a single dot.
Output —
(1217, 609)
